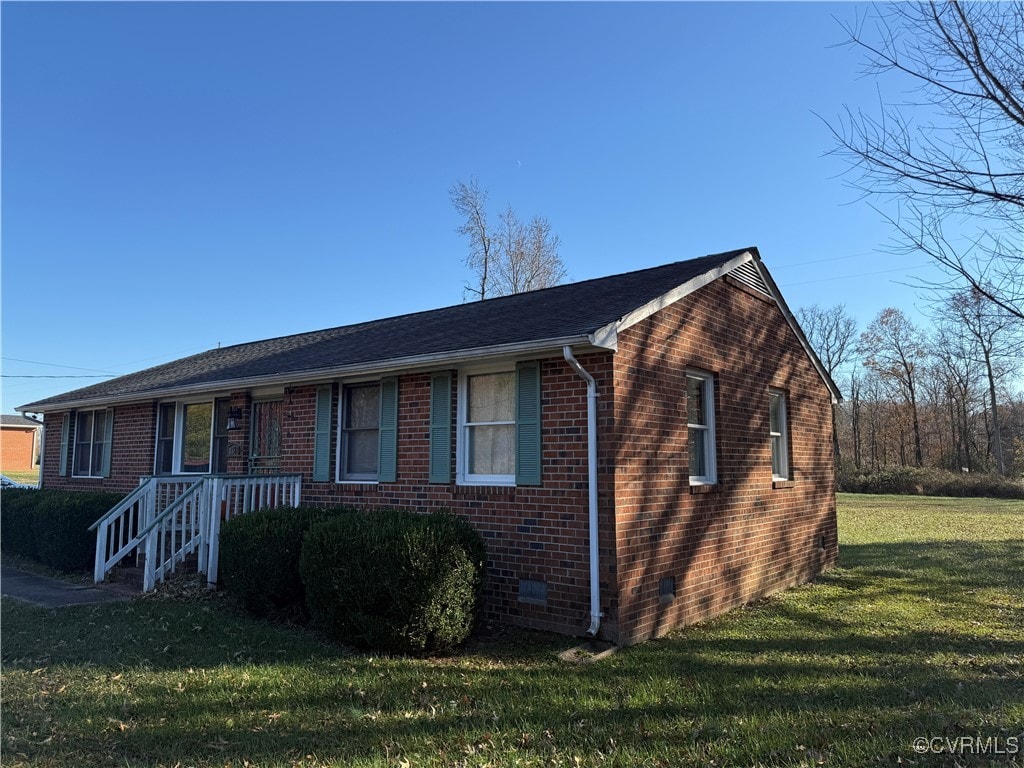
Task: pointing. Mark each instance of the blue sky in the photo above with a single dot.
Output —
(180, 175)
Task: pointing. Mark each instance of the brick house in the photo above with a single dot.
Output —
(638, 451)
(19, 443)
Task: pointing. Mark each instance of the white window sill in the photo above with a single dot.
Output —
(503, 482)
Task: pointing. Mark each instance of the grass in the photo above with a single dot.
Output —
(27, 476)
(919, 632)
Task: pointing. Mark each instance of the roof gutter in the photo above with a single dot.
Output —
(595, 573)
(319, 375)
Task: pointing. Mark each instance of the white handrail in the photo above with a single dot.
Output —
(167, 530)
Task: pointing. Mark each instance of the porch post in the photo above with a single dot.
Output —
(211, 563)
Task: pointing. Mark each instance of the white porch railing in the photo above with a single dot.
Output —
(166, 519)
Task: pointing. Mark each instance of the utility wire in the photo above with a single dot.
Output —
(14, 376)
(57, 365)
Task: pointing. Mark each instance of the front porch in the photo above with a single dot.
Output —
(167, 519)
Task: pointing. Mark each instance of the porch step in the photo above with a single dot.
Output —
(125, 578)
(130, 577)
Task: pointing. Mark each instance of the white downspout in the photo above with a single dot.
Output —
(595, 574)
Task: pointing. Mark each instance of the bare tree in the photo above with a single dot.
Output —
(997, 345)
(513, 257)
(471, 201)
(831, 332)
(958, 150)
(894, 349)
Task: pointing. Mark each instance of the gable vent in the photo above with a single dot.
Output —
(748, 275)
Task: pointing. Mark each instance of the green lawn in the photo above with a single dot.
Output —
(919, 633)
(27, 476)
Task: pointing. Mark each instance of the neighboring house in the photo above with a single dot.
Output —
(19, 443)
(698, 475)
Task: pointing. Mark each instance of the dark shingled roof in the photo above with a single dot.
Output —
(564, 311)
(13, 420)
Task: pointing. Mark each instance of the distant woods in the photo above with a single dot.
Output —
(948, 396)
(508, 255)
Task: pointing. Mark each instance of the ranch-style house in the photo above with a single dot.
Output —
(638, 451)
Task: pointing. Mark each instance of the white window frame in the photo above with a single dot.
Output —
(782, 434)
(340, 447)
(711, 461)
(462, 476)
(93, 473)
(179, 434)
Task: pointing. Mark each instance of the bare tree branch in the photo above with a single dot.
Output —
(512, 258)
(960, 149)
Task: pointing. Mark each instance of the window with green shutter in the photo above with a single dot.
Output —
(388, 460)
(94, 431)
(528, 447)
(65, 444)
(499, 427)
(441, 427)
(322, 435)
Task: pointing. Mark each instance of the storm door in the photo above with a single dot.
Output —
(265, 445)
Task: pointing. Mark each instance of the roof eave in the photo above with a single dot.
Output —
(607, 336)
(410, 363)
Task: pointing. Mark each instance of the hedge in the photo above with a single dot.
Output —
(52, 526)
(16, 508)
(928, 482)
(259, 558)
(394, 581)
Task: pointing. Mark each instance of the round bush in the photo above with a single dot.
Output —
(259, 558)
(394, 581)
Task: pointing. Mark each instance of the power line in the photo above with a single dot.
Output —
(14, 376)
(859, 274)
(57, 365)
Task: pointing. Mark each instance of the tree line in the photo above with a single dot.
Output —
(946, 396)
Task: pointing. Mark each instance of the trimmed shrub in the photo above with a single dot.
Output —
(16, 510)
(928, 482)
(61, 523)
(394, 581)
(259, 558)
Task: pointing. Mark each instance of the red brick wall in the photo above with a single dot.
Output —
(745, 537)
(132, 456)
(534, 533)
(17, 449)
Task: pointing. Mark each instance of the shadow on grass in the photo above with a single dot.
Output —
(903, 640)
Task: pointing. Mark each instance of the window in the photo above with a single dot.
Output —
(778, 431)
(197, 428)
(191, 438)
(165, 439)
(487, 446)
(93, 430)
(700, 417)
(360, 432)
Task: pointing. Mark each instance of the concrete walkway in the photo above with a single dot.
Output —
(51, 593)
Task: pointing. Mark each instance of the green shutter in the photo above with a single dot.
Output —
(108, 443)
(528, 423)
(387, 470)
(65, 435)
(441, 427)
(322, 435)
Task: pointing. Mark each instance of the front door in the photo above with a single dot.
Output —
(265, 446)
